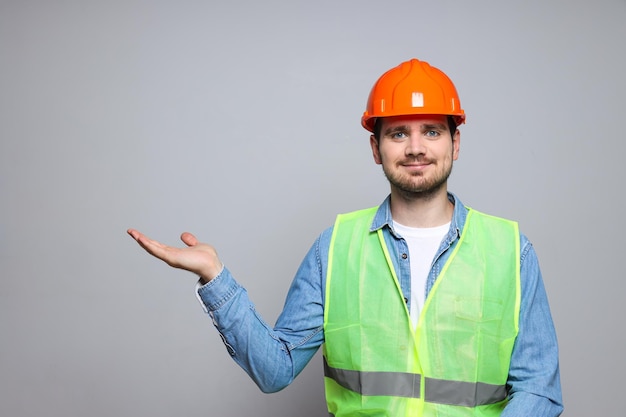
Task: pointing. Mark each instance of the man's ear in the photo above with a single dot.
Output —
(375, 150)
(456, 144)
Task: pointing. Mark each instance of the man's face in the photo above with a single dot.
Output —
(416, 153)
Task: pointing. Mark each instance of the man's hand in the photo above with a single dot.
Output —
(199, 258)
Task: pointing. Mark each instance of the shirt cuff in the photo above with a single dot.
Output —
(218, 291)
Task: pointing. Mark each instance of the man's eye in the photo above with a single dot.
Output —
(432, 133)
(398, 135)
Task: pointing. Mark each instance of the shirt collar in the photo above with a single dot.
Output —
(383, 217)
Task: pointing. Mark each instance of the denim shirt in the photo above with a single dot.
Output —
(273, 357)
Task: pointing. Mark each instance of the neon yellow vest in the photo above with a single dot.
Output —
(456, 362)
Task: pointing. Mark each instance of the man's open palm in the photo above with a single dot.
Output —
(197, 257)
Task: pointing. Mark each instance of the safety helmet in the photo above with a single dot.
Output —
(413, 87)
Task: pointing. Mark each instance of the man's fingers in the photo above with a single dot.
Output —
(151, 246)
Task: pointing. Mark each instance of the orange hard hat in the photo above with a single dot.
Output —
(413, 87)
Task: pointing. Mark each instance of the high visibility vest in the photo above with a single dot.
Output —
(456, 362)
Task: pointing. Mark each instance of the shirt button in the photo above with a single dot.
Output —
(406, 300)
(404, 256)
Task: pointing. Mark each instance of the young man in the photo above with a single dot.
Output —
(424, 307)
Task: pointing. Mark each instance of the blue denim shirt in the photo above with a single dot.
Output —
(273, 357)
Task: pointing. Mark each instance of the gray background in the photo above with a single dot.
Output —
(240, 122)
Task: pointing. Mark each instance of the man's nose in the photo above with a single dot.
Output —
(415, 145)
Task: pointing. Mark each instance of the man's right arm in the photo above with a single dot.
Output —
(272, 357)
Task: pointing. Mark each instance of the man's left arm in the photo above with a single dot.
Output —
(534, 380)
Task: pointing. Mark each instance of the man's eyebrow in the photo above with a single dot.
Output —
(394, 129)
(434, 126)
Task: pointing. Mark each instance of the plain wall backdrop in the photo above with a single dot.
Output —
(240, 121)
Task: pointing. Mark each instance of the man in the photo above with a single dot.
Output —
(424, 307)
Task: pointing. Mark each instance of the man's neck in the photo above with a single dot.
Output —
(416, 210)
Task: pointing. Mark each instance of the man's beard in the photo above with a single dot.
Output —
(422, 188)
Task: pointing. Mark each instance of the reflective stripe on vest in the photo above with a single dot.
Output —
(403, 384)
(397, 384)
(456, 361)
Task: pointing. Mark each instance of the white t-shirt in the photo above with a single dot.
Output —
(423, 244)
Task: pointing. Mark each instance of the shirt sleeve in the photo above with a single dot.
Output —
(272, 357)
(534, 380)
